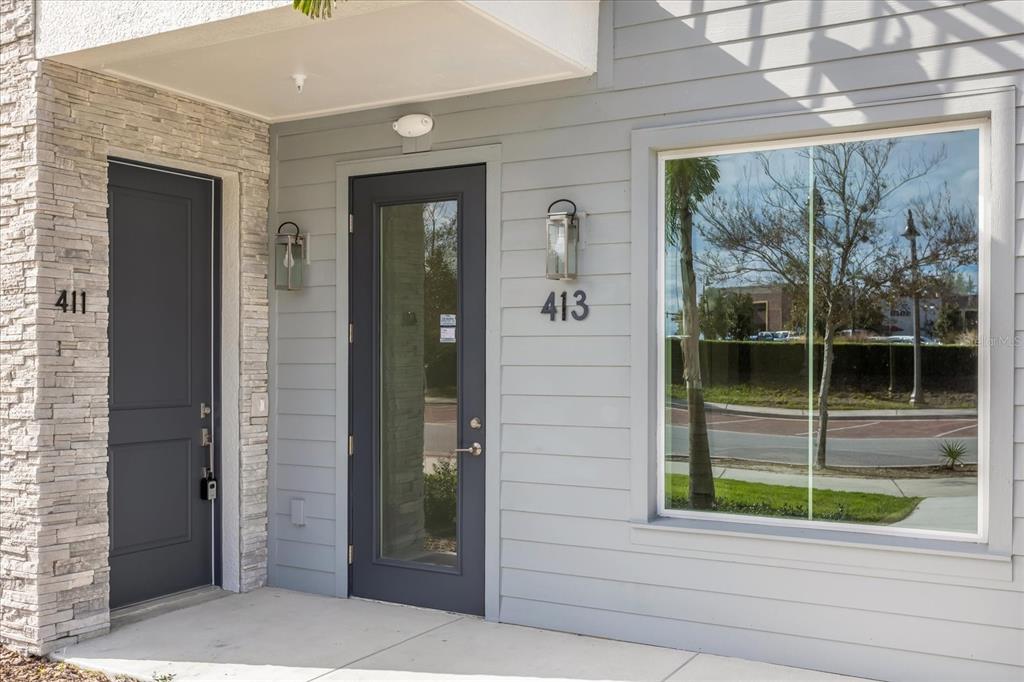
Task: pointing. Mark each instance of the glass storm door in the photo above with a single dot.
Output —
(417, 392)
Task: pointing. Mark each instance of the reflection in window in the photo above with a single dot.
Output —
(419, 471)
(821, 332)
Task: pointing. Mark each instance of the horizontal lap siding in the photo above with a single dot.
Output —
(815, 653)
(942, 26)
(607, 561)
(565, 380)
(523, 292)
(567, 555)
(623, 592)
(583, 441)
(304, 448)
(743, 21)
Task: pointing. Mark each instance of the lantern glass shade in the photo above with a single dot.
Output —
(563, 237)
(288, 257)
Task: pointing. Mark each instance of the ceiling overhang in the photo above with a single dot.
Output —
(244, 55)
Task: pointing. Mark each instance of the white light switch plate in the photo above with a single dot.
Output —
(259, 407)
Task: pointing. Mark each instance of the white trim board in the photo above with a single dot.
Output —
(949, 557)
(490, 155)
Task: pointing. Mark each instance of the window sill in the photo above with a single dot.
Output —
(836, 551)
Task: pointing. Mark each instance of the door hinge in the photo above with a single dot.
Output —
(351, 331)
(351, 445)
(350, 555)
(351, 221)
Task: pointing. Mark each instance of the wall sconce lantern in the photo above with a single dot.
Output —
(289, 263)
(563, 240)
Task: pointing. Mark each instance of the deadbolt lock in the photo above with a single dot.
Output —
(475, 423)
(204, 438)
(204, 410)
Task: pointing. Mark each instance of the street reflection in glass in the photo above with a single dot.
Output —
(821, 332)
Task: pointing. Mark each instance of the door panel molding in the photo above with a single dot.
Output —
(184, 445)
(181, 269)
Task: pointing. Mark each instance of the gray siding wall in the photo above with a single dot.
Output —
(568, 556)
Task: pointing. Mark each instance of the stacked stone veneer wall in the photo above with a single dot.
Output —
(58, 124)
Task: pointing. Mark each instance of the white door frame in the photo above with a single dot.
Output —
(229, 437)
(490, 155)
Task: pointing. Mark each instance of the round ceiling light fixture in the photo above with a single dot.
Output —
(413, 125)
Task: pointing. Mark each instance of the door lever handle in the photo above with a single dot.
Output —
(475, 449)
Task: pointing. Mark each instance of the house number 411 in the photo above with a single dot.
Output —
(582, 309)
(62, 301)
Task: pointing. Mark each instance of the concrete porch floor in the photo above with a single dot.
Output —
(274, 634)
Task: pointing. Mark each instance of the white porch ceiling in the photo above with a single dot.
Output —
(370, 54)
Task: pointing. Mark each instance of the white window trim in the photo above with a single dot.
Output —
(980, 125)
(992, 112)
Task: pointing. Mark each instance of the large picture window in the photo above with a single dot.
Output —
(820, 331)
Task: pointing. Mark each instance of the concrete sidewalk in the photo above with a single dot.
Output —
(274, 634)
(957, 514)
(951, 504)
(953, 486)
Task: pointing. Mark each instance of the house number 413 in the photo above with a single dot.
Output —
(582, 309)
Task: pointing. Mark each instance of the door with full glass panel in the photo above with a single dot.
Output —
(417, 392)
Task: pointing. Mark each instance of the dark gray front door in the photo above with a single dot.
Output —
(417, 393)
(161, 351)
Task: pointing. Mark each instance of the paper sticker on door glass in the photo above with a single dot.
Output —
(447, 334)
